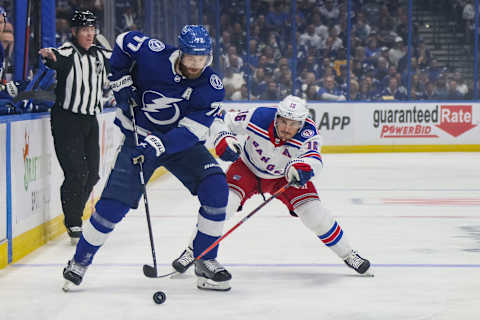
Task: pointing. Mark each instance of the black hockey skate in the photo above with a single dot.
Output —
(357, 263)
(74, 233)
(212, 275)
(73, 274)
(184, 261)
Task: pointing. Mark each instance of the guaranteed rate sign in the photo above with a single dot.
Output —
(423, 121)
(456, 120)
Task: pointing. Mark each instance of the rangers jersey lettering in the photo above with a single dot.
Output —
(263, 152)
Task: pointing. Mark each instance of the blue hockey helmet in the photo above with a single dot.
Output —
(195, 40)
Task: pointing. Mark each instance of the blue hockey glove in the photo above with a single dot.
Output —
(299, 173)
(227, 147)
(124, 91)
(152, 147)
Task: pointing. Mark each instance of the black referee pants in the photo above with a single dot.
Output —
(75, 137)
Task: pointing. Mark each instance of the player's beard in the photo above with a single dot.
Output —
(190, 73)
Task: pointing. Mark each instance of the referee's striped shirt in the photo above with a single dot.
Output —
(81, 77)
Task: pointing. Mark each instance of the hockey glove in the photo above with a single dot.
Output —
(152, 147)
(299, 173)
(125, 93)
(12, 88)
(228, 148)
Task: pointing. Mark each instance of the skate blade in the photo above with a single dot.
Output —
(208, 284)
(67, 285)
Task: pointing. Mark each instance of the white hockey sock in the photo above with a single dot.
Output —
(318, 219)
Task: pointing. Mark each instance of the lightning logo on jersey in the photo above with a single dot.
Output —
(160, 109)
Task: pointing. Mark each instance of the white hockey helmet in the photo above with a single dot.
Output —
(293, 108)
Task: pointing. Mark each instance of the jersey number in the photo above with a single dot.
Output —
(241, 116)
(312, 146)
(134, 46)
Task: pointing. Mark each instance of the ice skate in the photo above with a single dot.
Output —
(73, 274)
(359, 264)
(212, 275)
(74, 233)
(184, 261)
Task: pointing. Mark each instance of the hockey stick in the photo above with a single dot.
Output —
(248, 216)
(148, 270)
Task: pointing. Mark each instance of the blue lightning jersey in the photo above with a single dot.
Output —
(178, 110)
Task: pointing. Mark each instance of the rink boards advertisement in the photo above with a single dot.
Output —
(393, 126)
(36, 179)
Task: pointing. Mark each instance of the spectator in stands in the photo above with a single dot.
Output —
(453, 93)
(468, 16)
(308, 80)
(422, 54)
(430, 92)
(462, 86)
(62, 31)
(330, 91)
(329, 12)
(251, 61)
(259, 84)
(354, 91)
(271, 93)
(241, 94)
(129, 19)
(310, 64)
(311, 92)
(381, 70)
(394, 91)
(397, 52)
(361, 29)
(276, 17)
(233, 79)
(285, 83)
(310, 39)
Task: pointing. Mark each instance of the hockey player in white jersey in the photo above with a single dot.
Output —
(281, 146)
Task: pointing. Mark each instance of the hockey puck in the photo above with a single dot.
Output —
(159, 297)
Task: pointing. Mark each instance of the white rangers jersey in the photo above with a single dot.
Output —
(265, 154)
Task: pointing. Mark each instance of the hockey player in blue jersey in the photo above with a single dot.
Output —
(178, 96)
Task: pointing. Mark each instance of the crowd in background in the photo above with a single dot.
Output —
(317, 66)
(378, 49)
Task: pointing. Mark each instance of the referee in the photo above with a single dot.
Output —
(82, 70)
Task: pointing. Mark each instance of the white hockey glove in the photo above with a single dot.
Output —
(152, 147)
(227, 147)
(299, 173)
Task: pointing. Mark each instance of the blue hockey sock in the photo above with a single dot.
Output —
(97, 229)
(213, 196)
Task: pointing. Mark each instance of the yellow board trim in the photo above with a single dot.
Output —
(402, 148)
(33, 239)
(3, 254)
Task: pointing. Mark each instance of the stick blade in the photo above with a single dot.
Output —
(149, 271)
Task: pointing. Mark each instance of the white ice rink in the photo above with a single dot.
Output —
(415, 216)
